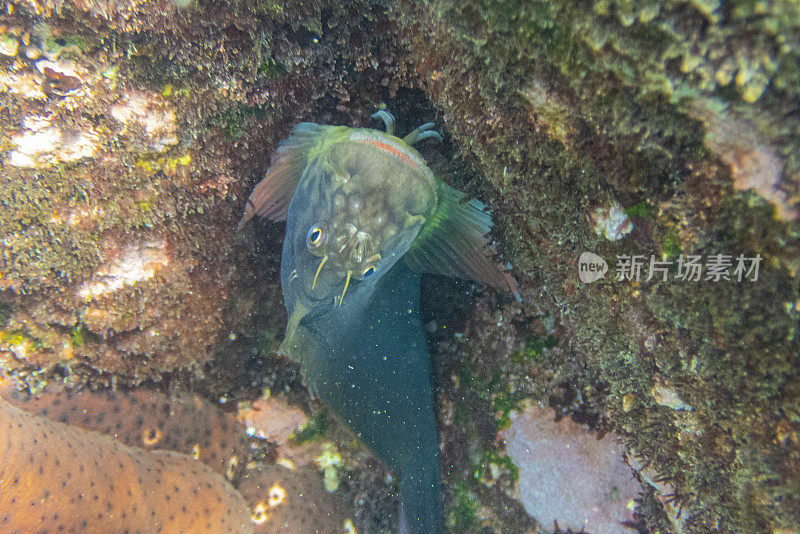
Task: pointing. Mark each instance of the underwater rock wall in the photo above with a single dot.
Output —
(131, 132)
(128, 132)
(685, 114)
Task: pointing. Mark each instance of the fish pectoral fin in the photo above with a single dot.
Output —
(305, 348)
(300, 344)
(272, 195)
(453, 242)
(289, 345)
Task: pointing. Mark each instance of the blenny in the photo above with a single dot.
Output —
(364, 217)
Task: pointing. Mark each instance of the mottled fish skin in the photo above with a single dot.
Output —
(364, 216)
(369, 205)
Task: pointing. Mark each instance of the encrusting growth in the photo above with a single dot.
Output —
(59, 478)
(144, 418)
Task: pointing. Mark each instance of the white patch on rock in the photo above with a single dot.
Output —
(134, 263)
(20, 350)
(25, 84)
(567, 475)
(73, 217)
(8, 45)
(151, 113)
(63, 68)
(43, 144)
(665, 395)
(611, 221)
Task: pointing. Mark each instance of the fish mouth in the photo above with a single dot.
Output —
(354, 253)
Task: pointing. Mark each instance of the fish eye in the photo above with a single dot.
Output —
(315, 236)
(368, 271)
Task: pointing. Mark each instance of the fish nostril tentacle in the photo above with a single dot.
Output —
(422, 132)
(387, 118)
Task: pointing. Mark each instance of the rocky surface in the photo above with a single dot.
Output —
(131, 132)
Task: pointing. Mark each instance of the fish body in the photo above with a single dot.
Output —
(364, 217)
(370, 364)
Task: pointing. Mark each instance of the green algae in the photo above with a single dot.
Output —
(81, 335)
(534, 346)
(502, 406)
(19, 337)
(671, 245)
(314, 430)
(495, 464)
(463, 514)
(271, 69)
(235, 120)
(641, 209)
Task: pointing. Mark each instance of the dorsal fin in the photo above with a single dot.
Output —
(453, 243)
(272, 195)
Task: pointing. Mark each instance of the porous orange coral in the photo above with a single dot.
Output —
(145, 418)
(56, 477)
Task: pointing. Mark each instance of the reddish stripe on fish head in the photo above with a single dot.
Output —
(390, 149)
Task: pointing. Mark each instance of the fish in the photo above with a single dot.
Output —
(365, 217)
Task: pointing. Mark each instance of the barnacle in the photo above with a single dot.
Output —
(276, 495)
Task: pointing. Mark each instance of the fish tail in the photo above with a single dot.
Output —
(421, 499)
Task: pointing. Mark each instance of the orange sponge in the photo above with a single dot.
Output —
(55, 477)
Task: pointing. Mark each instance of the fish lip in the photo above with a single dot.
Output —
(313, 300)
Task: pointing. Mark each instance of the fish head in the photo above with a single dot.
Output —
(356, 211)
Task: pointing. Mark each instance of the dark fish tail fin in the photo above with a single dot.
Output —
(421, 499)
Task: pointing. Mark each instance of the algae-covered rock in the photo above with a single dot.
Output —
(130, 131)
(678, 112)
(660, 136)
